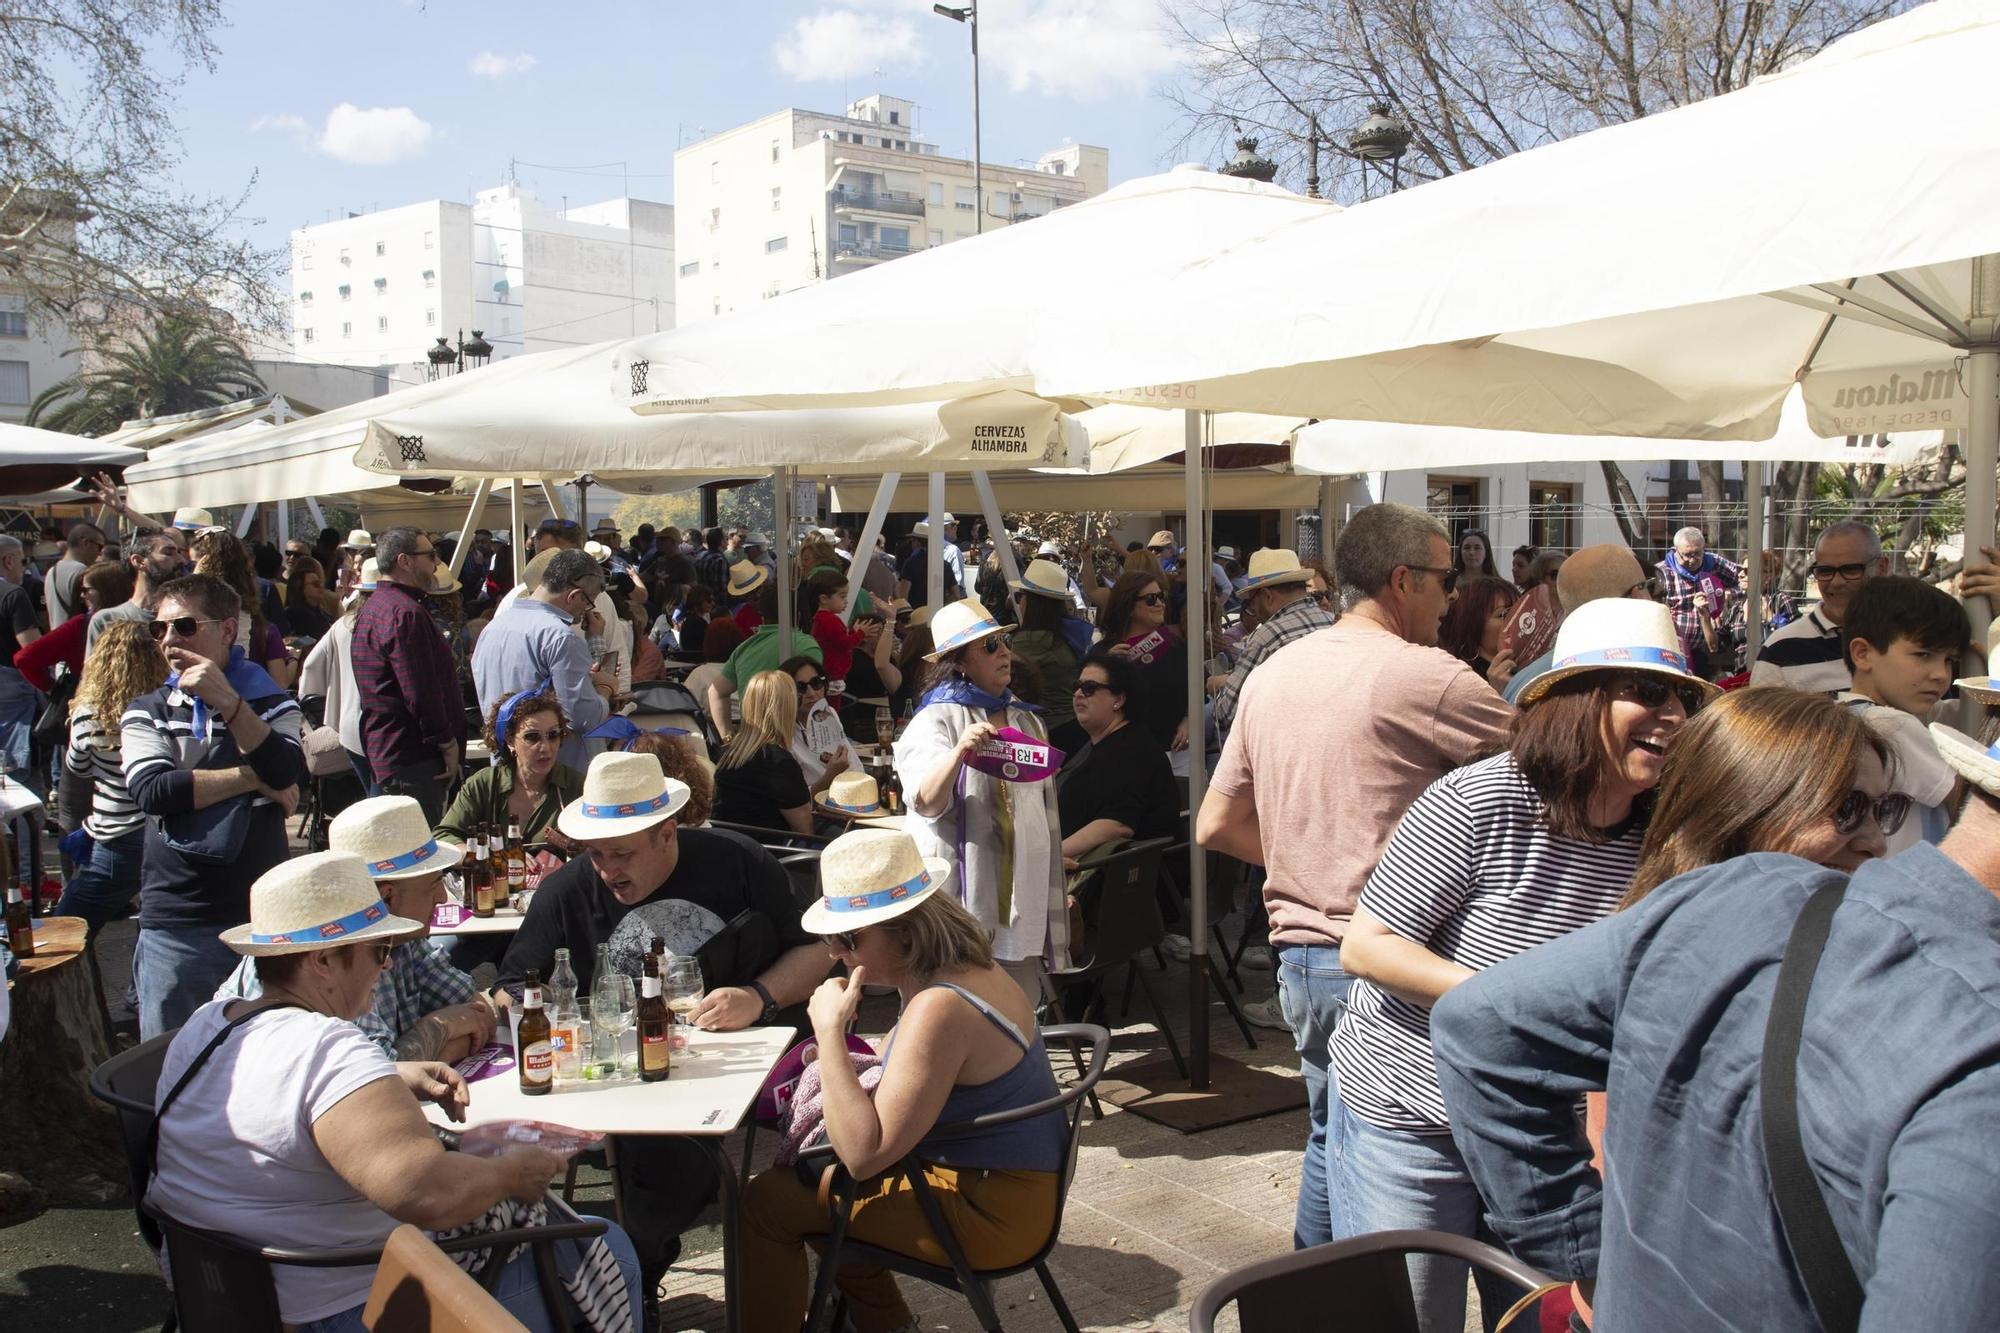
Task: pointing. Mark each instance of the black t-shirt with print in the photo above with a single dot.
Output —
(757, 792)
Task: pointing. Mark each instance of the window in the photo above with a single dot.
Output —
(937, 194)
(305, 298)
(506, 323)
(305, 259)
(848, 234)
(774, 150)
(346, 329)
(895, 117)
(716, 308)
(14, 383)
(381, 323)
(714, 218)
(430, 277)
(312, 335)
(1455, 502)
(430, 240)
(964, 198)
(688, 270)
(1552, 515)
(937, 236)
(381, 286)
(776, 244)
(430, 318)
(777, 197)
(895, 238)
(381, 248)
(346, 258)
(346, 292)
(715, 173)
(13, 317)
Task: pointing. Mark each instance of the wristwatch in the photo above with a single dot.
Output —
(770, 1005)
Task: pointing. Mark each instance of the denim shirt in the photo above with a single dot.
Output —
(1664, 1007)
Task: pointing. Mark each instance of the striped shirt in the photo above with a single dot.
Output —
(1804, 655)
(93, 754)
(1473, 874)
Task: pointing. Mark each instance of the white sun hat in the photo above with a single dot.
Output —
(921, 528)
(870, 876)
(1045, 578)
(597, 551)
(745, 578)
(622, 793)
(959, 624)
(1048, 548)
(1226, 553)
(1976, 763)
(192, 519)
(1980, 689)
(1274, 564)
(392, 838)
(321, 900)
(851, 794)
(1615, 634)
(1164, 537)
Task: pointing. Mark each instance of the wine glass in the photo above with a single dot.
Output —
(684, 990)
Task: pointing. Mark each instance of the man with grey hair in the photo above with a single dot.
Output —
(533, 645)
(412, 721)
(1806, 654)
(1697, 586)
(1335, 735)
(61, 590)
(20, 702)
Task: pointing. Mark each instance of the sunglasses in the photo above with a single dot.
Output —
(184, 626)
(1323, 597)
(538, 737)
(1090, 689)
(846, 939)
(997, 644)
(1889, 811)
(1828, 573)
(811, 683)
(381, 952)
(1651, 691)
(1152, 598)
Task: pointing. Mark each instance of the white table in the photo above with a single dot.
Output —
(504, 921)
(703, 1100)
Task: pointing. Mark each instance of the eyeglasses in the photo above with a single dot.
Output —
(1652, 691)
(1090, 688)
(1152, 598)
(1323, 597)
(381, 952)
(1828, 573)
(846, 939)
(811, 683)
(999, 643)
(429, 551)
(552, 737)
(1439, 570)
(184, 626)
(1889, 811)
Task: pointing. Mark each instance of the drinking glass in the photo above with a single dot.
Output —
(628, 1017)
(885, 728)
(684, 990)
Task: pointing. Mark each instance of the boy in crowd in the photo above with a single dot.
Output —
(1903, 639)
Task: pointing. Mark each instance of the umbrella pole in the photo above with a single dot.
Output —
(864, 545)
(480, 491)
(781, 518)
(1195, 567)
(244, 520)
(934, 545)
(516, 545)
(996, 526)
(1753, 545)
(1982, 435)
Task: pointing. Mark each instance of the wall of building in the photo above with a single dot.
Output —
(33, 353)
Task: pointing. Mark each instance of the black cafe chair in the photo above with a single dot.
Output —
(838, 1248)
(221, 1281)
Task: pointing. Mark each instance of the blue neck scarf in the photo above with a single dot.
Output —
(1705, 565)
(244, 676)
(958, 690)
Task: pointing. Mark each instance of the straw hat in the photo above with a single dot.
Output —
(321, 900)
(959, 624)
(1980, 689)
(371, 575)
(1045, 578)
(755, 539)
(921, 528)
(870, 876)
(1164, 537)
(443, 581)
(745, 577)
(851, 794)
(606, 524)
(358, 539)
(1050, 549)
(919, 616)
(392, 838)
(1273, 564)
(622, 793)
(597, 551)
(192, 519)
(1615, 634)
(1976, 763)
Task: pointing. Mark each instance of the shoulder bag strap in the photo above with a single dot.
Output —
(187, 1076)
(1822, 1261)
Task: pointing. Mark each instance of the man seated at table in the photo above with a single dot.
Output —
(646, 878)
(423, 1007)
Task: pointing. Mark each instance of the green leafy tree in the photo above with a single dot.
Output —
(180, 363)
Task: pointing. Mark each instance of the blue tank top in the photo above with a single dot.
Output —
(1037, 1144)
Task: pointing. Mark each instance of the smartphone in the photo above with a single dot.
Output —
(607, 661)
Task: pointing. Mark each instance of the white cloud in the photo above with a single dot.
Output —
(287, 122)
(374, 136)
(845, 43)
(492, 65)
(1084, 50)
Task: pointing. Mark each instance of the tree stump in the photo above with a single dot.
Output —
(56, 1135)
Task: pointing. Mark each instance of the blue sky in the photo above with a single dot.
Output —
(377, 103)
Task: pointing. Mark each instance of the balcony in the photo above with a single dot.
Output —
(896, 203)
(870, 252)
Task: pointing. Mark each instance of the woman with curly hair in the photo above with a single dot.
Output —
(684, 758)
(125, 664)
(217, 552)
(529, 786)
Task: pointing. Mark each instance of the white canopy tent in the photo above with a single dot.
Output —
(33, 460)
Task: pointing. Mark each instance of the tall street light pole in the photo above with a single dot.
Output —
(968, 14)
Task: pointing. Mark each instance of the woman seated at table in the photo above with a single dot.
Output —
(757, 781)
(966, 1046)
(528, 786)
(297, 1130)
(819, 742)
(1120, 786)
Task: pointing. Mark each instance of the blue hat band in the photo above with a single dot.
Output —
(627, 810)
(407, 861)
(979, 629)
(331, 930)
(868, 902)
(868, 809)
(1616, 657)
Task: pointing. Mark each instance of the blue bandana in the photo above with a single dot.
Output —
(249, 680)
(957, 690)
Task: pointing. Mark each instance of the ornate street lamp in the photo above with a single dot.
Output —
(1383, 138)
(442, 358)
(477, 352)
(445, 359)
(1248, 164)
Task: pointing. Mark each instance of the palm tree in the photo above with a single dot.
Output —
(181, 363)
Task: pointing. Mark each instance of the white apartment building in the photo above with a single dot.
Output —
(381, 288)
(800, 196)
(34, 345)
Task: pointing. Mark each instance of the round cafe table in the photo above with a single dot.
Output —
(57, 1134)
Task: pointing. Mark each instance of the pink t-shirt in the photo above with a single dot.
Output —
(1335, 736)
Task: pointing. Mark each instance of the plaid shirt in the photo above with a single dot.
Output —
(712, 568)
(1677, 590)
(419, 980)
(406, 679)
(1291, 623)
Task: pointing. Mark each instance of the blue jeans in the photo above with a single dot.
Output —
(1389, 1180)
(1312, 993)
(520, 1291)
(106, 882)
(176, 970)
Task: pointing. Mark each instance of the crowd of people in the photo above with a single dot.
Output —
(1472, 812)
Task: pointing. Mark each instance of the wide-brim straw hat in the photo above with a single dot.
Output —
(1274, 564)
(745, 577)
(1226, 553)
(921, 528)
(850, 796)
(870, 876)
(1044, 578)
(622, 793)
(1049, 548)
(960, 625)
(392, 838)
(597, 551)
(192, 519)
(1980, 689)
(321, 900)
(443, 582)
(1615, 634)
(358, 539)
(1976, 763)
(1164, 537)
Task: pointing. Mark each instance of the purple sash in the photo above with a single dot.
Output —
(1146, 648)
(1015, 756)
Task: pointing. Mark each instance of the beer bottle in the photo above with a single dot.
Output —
(656, 1025)
(517, 859)
(20, 924)
(479, 875)
(496, 860)
(533, 1048)
(892, 790)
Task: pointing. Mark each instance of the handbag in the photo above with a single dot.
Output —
(326, 757)
(740, 952)
(1824, 1268)
(52, 723)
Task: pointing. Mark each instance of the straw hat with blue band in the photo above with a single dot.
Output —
(1615, 634)
(392, 838)
(1976, 763)
(322, 900)
(622, 793)
(870, 876)
(745, 577)
(1274, 564)
(851, 796)
(959, 625)
(1979, 689)
(1043, 578)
